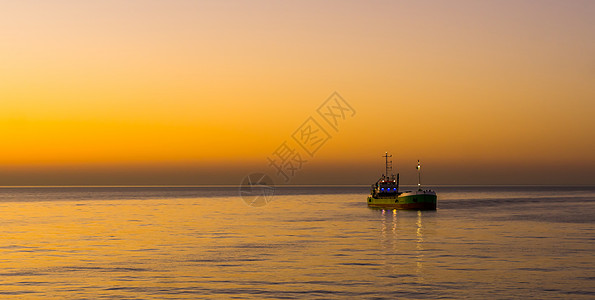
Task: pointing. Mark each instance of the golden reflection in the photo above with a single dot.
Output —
(383, 237)
(383, 228)
(419, 246)
(394, 231)
(388, 239)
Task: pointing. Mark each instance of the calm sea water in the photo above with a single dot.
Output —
(309, 242)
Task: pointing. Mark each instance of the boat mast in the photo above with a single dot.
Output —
(418, 175)
(386, 165)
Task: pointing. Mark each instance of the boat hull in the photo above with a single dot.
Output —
(413, 202)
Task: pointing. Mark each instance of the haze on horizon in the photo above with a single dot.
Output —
(202, 92)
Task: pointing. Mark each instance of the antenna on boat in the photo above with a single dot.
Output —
(418, 175)
(388, 164)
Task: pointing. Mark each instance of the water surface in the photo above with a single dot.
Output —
(309, 242)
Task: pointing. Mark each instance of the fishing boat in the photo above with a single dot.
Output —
(385, 192)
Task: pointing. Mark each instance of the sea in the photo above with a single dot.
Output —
(304, 242)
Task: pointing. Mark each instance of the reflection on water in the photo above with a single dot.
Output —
(419, 245)
(397, 237)
(394, 230)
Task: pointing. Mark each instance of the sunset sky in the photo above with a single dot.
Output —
(202, 92)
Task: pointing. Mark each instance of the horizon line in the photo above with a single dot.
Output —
(284, 185)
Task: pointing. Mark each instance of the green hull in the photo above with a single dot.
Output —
(417, 202)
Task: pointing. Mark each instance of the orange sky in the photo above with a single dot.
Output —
(191, 92)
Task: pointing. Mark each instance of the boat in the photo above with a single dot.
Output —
(385, 192)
